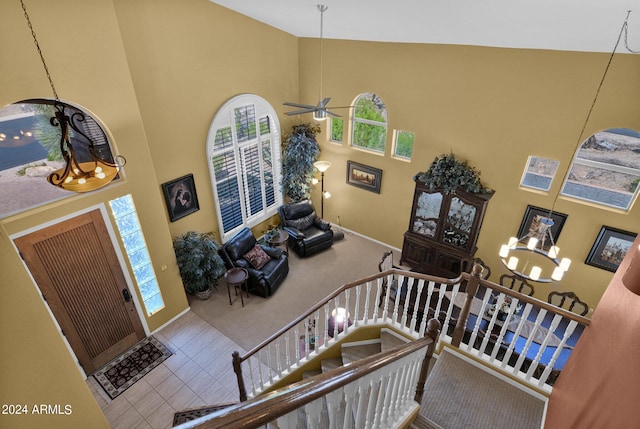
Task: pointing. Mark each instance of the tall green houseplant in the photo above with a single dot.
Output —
(300, 151)
(199, 262)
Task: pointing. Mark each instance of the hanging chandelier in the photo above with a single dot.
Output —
(530, 245)
(536, 247)
(81, 173)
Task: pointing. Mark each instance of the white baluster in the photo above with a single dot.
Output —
(334, 398)
(416, 307)
(364, 386)
(409, 281)
(374, 391)
(567, 334)
(347, 293)
(523, 353)
(350, 392)
(288, 421)
(367, 303)
(552, 327)
(313, 410)
(356, 314)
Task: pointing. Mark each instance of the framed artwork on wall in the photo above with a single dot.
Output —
(180, 197)
(364, 177)
(610, 248)
(533, 218)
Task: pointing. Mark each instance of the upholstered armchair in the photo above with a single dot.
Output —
(308, 233)
(267, 266)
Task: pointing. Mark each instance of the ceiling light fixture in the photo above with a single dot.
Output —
(80, 173)
(537, 245)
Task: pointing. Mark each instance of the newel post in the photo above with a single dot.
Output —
(433, 331)
(471, 289)
(237, 368)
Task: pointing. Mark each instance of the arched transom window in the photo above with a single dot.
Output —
(369, 130)
(606, 169)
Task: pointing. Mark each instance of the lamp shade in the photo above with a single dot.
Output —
(322, 166)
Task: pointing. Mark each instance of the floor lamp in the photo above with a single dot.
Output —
(322, 166)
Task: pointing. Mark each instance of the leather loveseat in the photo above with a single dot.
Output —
(308, 233)
(266, 273)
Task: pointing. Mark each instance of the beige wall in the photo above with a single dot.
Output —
(491, 107)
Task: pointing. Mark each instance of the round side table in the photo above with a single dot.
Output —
(237, 278)
(280, 239)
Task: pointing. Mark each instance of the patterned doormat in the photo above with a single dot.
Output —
(122, 372)
(194, 413)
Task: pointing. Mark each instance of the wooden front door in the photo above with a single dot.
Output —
(76, 268)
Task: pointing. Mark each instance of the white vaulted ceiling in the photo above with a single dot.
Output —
(573, 25)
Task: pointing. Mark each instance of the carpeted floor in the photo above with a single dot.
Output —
(309, 280)
(456, 396)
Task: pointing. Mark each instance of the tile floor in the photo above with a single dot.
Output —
(198, 373)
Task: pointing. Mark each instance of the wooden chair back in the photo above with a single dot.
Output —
(387, 261)
(516, 283)
(568, 301)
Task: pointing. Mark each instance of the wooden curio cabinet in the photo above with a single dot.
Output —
(443, 231)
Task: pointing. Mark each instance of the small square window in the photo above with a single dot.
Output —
(403, 144)
(336, 130)
(539, 173)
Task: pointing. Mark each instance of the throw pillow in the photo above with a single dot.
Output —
(257, 257)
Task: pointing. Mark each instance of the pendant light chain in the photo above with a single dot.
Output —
(595, 99)
(35, 40)
(322, 8)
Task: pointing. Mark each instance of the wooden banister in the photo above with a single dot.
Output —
(263, 409)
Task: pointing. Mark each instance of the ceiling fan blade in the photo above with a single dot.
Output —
(304, 106)
(324, 103)
(335, 115)
(300, 112)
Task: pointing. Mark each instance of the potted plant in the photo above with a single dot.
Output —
(448, 173)
(199, 262)
(300, 151)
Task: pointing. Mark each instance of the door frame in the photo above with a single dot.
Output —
(131, 285)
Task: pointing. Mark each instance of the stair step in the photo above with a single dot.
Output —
(331, 363)
(423, 423)
(390, 339)
(354, 351)
(311, 373)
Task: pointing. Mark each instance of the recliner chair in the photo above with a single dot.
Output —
(265, 274)
(308, 233)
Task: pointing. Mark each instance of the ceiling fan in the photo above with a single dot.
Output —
(320, 110)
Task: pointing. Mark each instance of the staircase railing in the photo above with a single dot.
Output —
(321, 326)
(380, 391)
(532, 343)
(529, 341)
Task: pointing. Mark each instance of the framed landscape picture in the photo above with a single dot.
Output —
(180, 197)
(532, 222)
(364, 177)
(610, 248)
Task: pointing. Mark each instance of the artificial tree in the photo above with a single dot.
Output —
(448, 173)
(199, 262)
(300, 151)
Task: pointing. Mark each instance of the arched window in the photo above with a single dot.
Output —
(30, 151)
(369, 130)
(606, 169)
(243, 152)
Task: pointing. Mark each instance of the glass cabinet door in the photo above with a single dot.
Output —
(427, 214)
(459, 223)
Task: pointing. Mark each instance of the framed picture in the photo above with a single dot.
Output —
(532, 222)
(610, 248)
(364, 177)
(180, 197)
